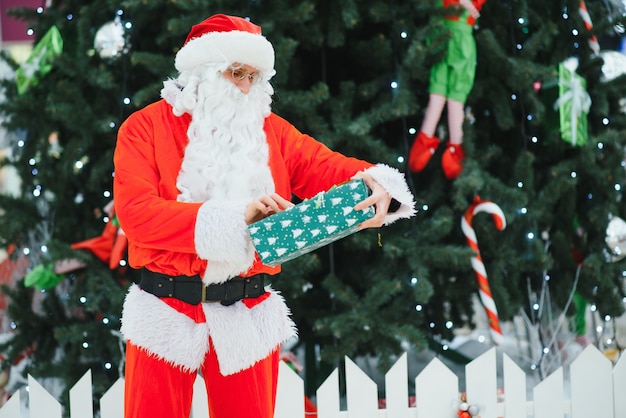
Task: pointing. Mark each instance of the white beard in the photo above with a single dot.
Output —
(227, 155)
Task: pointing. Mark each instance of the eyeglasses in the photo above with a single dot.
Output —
(240, 73)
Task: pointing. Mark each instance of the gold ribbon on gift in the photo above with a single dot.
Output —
(573, 101)
(39, 62)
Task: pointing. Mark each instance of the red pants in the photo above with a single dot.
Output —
(155, 389)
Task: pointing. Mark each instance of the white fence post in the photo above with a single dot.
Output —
(12, 409)
(591, 378)
(436, 389)
(41, 404)
(548, 396)
(328, 405)
(112, 402)
(515, 392)
(482, 385)
(397, 389)
(361, 392)
(619, 387)
(597, 390)
(200, 402)
(290, 393)
(81, 404)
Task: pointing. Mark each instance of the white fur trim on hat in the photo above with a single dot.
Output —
(230, 47)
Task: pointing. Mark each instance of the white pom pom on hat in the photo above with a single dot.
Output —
(231, 39)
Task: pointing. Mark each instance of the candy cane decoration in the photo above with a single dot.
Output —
(477, 262)
(593, 41)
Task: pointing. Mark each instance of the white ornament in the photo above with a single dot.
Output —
(110, 41)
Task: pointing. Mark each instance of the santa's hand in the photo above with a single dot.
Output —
(265, 206)
(379, 198)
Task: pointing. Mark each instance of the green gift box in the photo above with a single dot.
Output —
(567, 103)
(573, 105)
(311, 224)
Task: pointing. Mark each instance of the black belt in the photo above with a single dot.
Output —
(191, 290)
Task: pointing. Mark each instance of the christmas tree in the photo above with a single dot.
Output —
(355, 75)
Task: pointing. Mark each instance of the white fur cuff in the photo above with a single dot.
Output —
(221, 238)
(394, 182)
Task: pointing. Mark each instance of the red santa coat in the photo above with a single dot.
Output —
(164, 236)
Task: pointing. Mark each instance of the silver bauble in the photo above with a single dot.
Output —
(616, 238)
(110, 41)
(614, 65)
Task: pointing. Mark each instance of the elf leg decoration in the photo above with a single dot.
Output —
(451, 79)
(452, 158)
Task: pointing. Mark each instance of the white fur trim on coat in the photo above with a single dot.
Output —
(241, 336)
(162, 331)
(394, 182)
(222, 238)
(231, 47)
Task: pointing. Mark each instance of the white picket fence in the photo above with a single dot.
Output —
(596, 389)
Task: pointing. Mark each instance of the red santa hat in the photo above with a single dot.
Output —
(230, 39)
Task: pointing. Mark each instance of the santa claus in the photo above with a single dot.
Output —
(191, 172)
